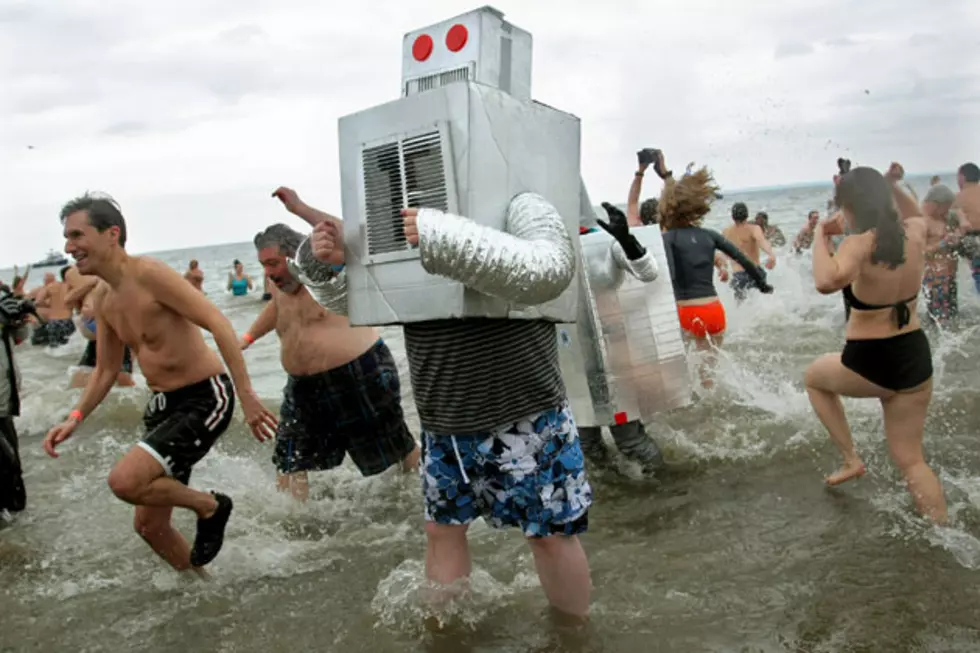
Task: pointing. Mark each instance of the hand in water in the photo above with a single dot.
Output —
(618, 227)
(262, 423)
(324, 241)
(59, 434)
(411, 220)
(770, 263)
(723, 276)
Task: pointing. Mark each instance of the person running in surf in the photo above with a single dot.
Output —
(693, 253)
(147, 305)
(942, 255)
(749, 239)
(879, 267)
(343, 393)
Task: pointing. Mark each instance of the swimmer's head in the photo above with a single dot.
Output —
(762, 219)
(935, 180)
(685, 202)
(274, 246)
(812, 218)
(648, 211)
(740, 212)
(49, 278)
(94, 230)
(938, 201)
(968, 173)
(865, 198)
(193, 264)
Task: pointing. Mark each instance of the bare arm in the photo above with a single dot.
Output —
(907, 206)
(633, 200)
(760, 238)
(733, 252)
(173, 292)
(85, 286)
(109, 350)
(265, 322)
(832, 272)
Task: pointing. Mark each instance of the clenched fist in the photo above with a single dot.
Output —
(326, 242)
(410, 217)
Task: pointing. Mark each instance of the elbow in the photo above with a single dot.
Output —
(827, 286)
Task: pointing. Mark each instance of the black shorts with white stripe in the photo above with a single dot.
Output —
(182, 425)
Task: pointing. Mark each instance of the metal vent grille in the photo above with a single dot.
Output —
(409, 172)
(437, 80)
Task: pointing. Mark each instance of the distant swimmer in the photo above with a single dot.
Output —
(942, 255)
(239, 283)
(691, 255)
(773, 233)
(50, 300)
(879, 267)
(936, 179)
(81, 296)
(968, 207)
(342, 394)
(194, 275)
(145, 304)
(804, 239)
(749, 239)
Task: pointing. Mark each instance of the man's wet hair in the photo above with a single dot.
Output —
(648, 211)
(740, 212)
(281, 236)
(103, 212)
(970, 172)
(763, 216)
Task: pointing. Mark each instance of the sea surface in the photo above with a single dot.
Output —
(737, 547)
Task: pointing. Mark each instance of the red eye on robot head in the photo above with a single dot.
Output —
(456, 40)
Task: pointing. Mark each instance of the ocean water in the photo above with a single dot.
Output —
(737, 547)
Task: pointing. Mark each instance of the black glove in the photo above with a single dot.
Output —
(765, 288)
(619, 229)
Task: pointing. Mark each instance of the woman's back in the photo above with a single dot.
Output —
(879, 289)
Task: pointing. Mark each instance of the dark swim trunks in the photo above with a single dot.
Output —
(352, 409)
(741, 283)
(182, 425)
(52, 333)
(89, 358)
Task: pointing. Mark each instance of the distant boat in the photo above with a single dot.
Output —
(51, 260)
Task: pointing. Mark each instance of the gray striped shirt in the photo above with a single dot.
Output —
(475, 375)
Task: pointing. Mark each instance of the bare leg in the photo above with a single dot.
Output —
(905, 416)
(139, 479)
(153, 525)
(826, 380)
(706, 370)
(297, 484)
(564, 573)
(447, 557)
(411, 462)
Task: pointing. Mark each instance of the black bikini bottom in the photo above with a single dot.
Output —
(898, 363)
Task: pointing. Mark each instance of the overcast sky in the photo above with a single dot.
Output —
(191, 112)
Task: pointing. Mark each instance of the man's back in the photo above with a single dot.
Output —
(746, 237)
(968, 206)
(170, 349)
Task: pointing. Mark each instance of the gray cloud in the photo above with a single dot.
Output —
(789, 49)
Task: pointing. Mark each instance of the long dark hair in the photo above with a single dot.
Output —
(868, 197)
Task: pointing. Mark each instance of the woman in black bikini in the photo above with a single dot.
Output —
(879, 268)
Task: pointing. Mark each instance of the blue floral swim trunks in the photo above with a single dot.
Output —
(529, 475)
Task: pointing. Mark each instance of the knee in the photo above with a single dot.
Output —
(445, 535)
(124, 485)
(551, 545)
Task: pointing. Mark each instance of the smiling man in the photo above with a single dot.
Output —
(343, 394)
(148, 306)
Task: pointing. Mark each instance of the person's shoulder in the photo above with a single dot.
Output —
(147, 268)
(916, 227)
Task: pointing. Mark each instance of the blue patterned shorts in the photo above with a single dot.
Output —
(529, 475)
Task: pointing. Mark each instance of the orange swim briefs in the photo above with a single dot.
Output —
(703, 319)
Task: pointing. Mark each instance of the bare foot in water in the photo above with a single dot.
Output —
(847, 472)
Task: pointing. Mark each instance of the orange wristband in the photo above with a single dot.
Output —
(248, 338)
(76, 415)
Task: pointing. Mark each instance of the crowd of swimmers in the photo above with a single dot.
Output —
(497, 439)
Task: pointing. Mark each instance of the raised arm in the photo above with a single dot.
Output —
(263, 324)
(633, 199)
(728, 249)
(531, 263)
(832, 272)
(625, 253)
(326, 281)
(312, 216)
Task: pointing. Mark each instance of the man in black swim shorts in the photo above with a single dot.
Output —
(147, 305)
(343, 393)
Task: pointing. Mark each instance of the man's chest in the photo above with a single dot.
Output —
(298, 312)
(136, 317)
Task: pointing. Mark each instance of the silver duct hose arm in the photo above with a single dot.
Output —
(644, 268)
(328, 287)
(531, 263)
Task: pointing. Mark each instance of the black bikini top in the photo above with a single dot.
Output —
(902, 313)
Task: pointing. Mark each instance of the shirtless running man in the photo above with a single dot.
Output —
(749, 238)
(81, 297)
(50, 301)
(343, 393)
(194, 275)
(146, 304)
(968, 207)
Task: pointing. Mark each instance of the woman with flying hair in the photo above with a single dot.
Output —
(692, 256)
